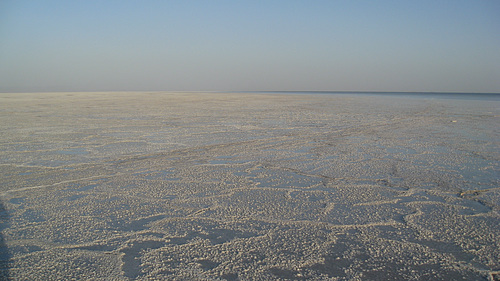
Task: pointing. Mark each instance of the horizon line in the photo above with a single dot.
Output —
(256, 91)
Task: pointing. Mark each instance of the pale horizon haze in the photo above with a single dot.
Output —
(402, 46)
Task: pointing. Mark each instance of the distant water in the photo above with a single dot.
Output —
(427, 95)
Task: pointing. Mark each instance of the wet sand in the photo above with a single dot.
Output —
(216, 186)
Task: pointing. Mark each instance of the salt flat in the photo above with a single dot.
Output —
(219, 186)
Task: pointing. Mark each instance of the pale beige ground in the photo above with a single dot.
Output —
(209, 186)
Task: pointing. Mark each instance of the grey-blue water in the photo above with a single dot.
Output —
(427, 95)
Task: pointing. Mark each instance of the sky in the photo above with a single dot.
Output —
(272, 45)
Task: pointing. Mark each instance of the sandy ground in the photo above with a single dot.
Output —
(211, 186)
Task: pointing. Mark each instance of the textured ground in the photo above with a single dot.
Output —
(198, 186)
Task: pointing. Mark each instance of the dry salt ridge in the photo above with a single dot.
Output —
(244, 186)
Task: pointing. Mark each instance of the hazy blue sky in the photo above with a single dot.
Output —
(250, 45)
